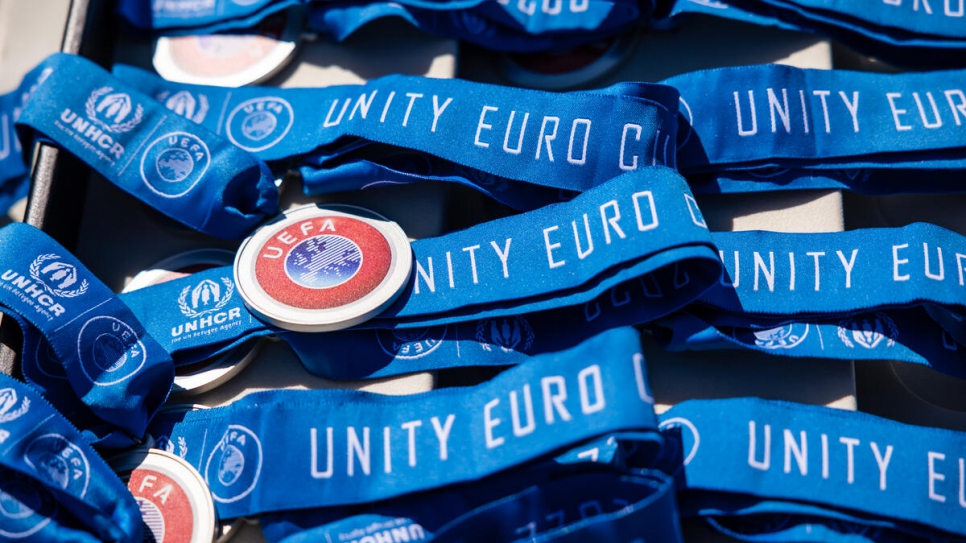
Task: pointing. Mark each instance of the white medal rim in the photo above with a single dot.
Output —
(281, 54)
(179, 470)
(324, 320)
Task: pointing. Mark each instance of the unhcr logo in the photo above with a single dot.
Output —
(186, 104)
(57, 277)
(113, 111)
(205, 297)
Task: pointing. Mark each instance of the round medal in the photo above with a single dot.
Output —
(199, 377)
(320, 268)
(175, 502)
(231, 60)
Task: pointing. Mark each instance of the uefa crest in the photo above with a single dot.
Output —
(205, 297)
(186, 104)
(25, 508)
(235, 464)
(325, 261)
(259, 123)
(59, 463)
(410, 343)
(11, 406)
(868, 330)
(317, 269)
(113, 111)
(508, 333)
(109, 351)
(57, 277)
(787, 336)
(174, 163)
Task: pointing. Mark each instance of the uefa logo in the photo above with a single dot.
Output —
(11, 406)
(206, 297)
(59, 463)
(57, 277)
(235, 464)
(259, 123)
(109, 351)
(174, 163)
(323, 261)
(185, 104)
(25, 508)
(410, 343)
(113, 111)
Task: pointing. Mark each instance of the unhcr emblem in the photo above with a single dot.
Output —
(205, 297)
(506, 333)
(868, 331)
(9, 408)
(113, 111)
(57, 277)
(185, 104)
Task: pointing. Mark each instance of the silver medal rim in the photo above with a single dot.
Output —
(216, 371)
(323, 320)
(280, 56)
(179, 470)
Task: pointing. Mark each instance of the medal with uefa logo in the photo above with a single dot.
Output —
(319, 268)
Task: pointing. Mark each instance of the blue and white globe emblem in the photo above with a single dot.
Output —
(235, 464)
(174, 163)
(323, 261)
(59, 462)
(25, 508)
(110, 351)
(259, 123)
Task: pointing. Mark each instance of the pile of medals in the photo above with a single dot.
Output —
(600, 244)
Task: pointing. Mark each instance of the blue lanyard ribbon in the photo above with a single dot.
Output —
(838, 468)
(53, 485)
(14, 180)
(916, 32)
(889, 293)
(110, 362)
(340, 447)
(158, 157)
(485, 136)
(626, 252)
(773, 116)
(923, 33)
(589, 505)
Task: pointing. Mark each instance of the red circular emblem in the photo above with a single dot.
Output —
(323, 268)
(164, 506)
